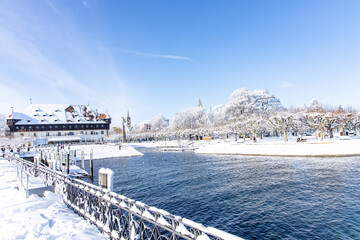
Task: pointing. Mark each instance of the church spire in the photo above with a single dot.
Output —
(200, 103)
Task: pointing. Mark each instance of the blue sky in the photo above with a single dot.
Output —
(153, 57)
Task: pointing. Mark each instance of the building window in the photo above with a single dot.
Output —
(63, 126)
(102, 132)
(56, 127)
(34, 134)
(92, 132)
(59, 133)
(50, 127)
(71, 133)
(47, 134)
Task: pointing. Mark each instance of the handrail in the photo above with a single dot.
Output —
(118, 216)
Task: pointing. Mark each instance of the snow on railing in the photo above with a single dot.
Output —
(118, 216)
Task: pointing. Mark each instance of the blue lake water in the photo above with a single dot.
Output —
(251, 197)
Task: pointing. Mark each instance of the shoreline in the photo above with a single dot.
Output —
(329, 148)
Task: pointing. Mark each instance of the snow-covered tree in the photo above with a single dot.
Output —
(240, 102)
(243, 101)
(254, 122)
(190, 118)
(266, 102)
(2, 125)
(315, 106)
(159, 122)
(218, 115)
(282, 120)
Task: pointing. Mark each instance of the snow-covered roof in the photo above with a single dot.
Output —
(58, 114)
(146, 122)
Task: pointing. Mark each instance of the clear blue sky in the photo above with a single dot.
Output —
(153, 57)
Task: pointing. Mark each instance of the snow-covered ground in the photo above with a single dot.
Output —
(344, 146)
(101, 151)
(36, 217)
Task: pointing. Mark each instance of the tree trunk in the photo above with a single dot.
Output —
(285, 134)
(224, 137)
(316, 134)
(331, 133)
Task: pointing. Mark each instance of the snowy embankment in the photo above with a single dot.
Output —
(337, 147)
(158, 144)
(311, 148)
(36, 217)
(101, 151)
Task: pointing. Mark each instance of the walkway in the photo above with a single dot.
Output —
(35, 217)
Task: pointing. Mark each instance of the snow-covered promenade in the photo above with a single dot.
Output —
(335, 148)
(36, 217)
(272, 147)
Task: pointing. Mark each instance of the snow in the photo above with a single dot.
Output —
(310, 148)
(339, 146)
(102, 151)
(106, 171)
(36, 217)
(56, 113)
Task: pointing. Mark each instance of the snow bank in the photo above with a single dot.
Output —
(329, 148)
(107, 151)
(35, 217)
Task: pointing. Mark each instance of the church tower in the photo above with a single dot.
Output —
(200, 103)
(128, 120)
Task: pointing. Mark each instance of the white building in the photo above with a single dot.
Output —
(59, 123)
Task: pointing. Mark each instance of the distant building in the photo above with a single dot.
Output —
(145, 126)
(59, 123)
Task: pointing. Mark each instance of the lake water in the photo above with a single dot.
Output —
(251, 197)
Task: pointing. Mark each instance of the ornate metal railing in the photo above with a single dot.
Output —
(118, 216)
